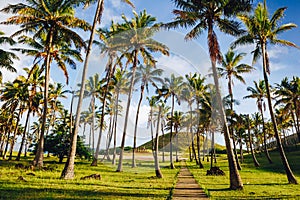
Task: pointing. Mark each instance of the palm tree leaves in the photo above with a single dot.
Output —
(6, 57)
(261, 28)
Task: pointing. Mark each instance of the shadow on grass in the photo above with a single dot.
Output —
(50, 193)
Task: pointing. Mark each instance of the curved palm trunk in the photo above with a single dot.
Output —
(23, 135)
(120, 165)
(12, 144)
(235, 179)
(288, 171)
(171, 136)
(265, 136)
(39, 157)
(68, 171)
(231, 127)
(158, 172)
(135, 126)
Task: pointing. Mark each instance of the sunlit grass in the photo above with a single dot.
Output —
(132, 183)
(266, 182)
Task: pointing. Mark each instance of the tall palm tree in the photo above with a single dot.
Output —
(188, 96)
(145, 75)
(263, 29)
(177, 121)
(231, 68)
(249, 123)
(288, 94)
(52, 22)
(205, 16)
(121, 85)
(68, 171)
(200, 90)
(136, 36)
(172, 87)
(93, 89)
(6, 57)
(34, 82)
(259, 93)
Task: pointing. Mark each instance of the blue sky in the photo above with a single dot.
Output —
(185, 57)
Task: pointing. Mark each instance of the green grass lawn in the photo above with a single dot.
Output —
(266, 182)
(132, 183)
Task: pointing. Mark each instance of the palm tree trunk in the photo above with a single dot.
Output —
(212, 148)
(256, 163)
(176, 132)
(2, 146)
(12, 144)
(171, 135)
(289, 173)
(191, 132)
(24, 135)
(198, 139)
(115, 129)
(231, 126)
(158, 172)
(39, 157)
(120, 165)
(235, 179)
(68, 171)
(135, 126)
(265, 137)
(93, 124)
(163, 142)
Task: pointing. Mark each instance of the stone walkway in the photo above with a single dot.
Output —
(187, 187)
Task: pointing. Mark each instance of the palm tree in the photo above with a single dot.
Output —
(205, 16)
(188, 96)
(259, 93)
(164, 110)
(263, 29)
(68, 171)
(136, 36)
(93, 89)
(121, 85)
(34, 82)
(172, 87)
(145, 75)
(232, 69)
(249, 124)
(177, 123)
(6, 58)
(51, 21)
(200, 90)
(288, 94)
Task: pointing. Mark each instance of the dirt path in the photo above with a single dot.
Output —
(187, 187)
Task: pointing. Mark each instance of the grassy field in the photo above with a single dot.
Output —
(137, 183)
(266, 182)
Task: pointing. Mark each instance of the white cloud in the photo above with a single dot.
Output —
(277, 52)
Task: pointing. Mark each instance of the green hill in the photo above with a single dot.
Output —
(183, 142)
